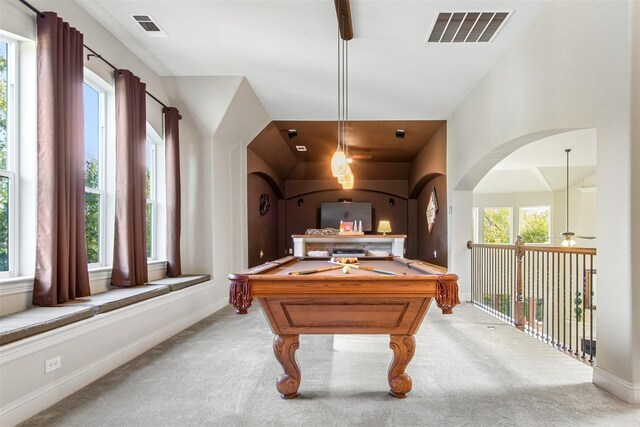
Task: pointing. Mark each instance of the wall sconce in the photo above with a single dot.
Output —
(300, 202)
(384, 227)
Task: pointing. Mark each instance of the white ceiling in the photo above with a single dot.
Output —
(287, 51)
(542, 165)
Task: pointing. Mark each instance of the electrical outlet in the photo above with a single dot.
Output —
(52, 364)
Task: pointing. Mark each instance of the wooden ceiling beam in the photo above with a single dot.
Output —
(343, 12)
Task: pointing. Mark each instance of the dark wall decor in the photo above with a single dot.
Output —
(262, 221)
(432, 210)
(264, 203)
(432, 245)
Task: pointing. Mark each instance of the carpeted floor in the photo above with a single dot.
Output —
(469, 369)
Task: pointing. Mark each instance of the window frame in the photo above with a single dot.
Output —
(11, 172)
(153, 141)
(98, 85)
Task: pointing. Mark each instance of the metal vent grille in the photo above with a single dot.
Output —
(149, 25)
(467, 27)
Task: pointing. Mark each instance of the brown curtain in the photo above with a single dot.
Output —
(130, 245)
(61, 250)
(172, 158)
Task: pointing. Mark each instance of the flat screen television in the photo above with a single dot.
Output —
(331, 213)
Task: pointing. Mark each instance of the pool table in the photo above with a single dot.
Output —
(304, 296)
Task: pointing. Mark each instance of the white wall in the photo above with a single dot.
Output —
(244, 119)
(635, 194)
(553, 81)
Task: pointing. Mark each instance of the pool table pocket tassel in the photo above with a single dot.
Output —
(447, 296)
(240, 293)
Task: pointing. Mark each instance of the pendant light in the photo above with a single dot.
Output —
(340, 168)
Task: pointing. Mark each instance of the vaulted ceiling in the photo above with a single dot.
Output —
(542, 165)
(287, 51)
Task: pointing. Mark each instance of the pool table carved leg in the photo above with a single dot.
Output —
(403, 347)
(284, 347)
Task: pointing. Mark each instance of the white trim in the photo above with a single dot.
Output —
(15, 285)
(622, 389)
(100, 87)
(13, 108)
(154, 141)
(51, 392)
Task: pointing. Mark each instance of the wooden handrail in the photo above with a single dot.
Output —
(534, 248)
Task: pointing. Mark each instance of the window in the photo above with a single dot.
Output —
(94, 122)
(496, 225)
(7, 160)
(151, 198)
(534, 224)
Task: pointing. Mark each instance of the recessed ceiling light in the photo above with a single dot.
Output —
(292, 133)
(301, 148)
(400, 133)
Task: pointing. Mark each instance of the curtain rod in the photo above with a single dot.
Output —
(93, 52)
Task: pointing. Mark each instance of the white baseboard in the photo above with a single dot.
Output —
(190, 306)
(624, 390)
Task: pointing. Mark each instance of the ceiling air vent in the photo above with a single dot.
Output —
(301, 147)
(149, 25)
(466, 27)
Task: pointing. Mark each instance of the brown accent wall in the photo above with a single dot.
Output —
(299, 218)
(262, 229)
(396, 187)
(430, 161)
(287, 176)
(437, 240)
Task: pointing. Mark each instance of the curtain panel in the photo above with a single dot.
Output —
(172, 161)
(130, 244)
(61, 272)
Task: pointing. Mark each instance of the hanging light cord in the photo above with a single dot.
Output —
(567, 151)
(339, 97)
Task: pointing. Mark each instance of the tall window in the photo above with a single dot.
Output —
(94, 112)
(7, 161)
(151, 198)
(535, 224)
(497, 225)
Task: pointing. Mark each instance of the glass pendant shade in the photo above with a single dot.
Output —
(348, 175)
(339, 164)
(349, 184)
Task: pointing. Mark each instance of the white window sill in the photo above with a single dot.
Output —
(21, 284)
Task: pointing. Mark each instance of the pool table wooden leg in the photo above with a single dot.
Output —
(403, 347)
(284, 347)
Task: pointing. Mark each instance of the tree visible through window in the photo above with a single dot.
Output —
(151, 198)
(6, 172)
(534, 224)
(94, 189)
(496, 225)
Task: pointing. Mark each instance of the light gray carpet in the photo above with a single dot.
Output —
(469, 369)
